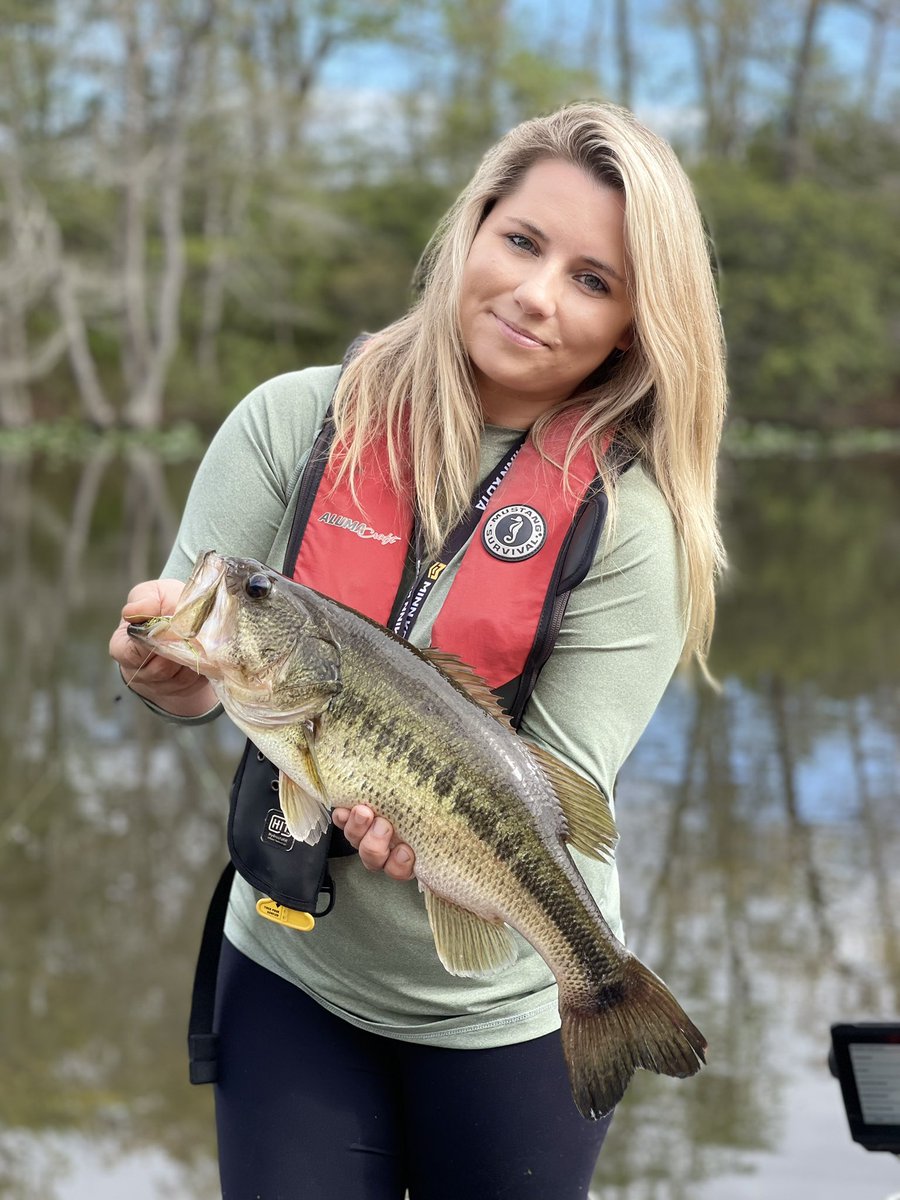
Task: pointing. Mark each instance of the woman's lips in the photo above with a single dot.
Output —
(519, 336)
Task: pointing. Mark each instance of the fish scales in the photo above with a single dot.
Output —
(506, 837)
(351, 714)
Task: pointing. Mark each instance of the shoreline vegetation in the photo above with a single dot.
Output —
(185, 441)
(197, 196)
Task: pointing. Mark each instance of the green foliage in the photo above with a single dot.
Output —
(300, 218)
(536, 84)
(72, 441)
(809, 296)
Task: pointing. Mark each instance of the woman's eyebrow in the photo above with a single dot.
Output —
(593, 262)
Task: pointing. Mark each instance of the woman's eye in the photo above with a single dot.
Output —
(258, 586)
(593, 283)
(521, 242)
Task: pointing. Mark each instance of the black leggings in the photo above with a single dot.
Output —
(309, 1107)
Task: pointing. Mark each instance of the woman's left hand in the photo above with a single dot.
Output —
(374, 838)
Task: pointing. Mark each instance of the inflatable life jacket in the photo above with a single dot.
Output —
(529, 540)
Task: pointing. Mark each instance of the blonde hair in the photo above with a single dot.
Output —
(664, 395)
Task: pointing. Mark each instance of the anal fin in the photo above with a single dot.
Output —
(466, 944)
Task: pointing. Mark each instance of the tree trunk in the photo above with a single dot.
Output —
(95, 406)
(135, 347)
(15, 401)
(154, 345)
(624, 52)
(793, 147)
(881, 17)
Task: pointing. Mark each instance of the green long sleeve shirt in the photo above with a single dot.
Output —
(372, 960)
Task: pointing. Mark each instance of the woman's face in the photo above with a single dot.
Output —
(543, 298)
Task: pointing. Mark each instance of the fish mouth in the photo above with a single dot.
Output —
(202, 606)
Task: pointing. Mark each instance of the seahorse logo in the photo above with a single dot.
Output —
(514, 533)
(509, 538)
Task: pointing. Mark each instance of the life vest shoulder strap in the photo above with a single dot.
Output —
(572, 565)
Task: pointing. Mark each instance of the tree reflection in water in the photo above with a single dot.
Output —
(759, 829)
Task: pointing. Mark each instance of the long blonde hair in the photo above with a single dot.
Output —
(665, 395)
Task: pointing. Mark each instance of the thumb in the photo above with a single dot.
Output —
(153, 598)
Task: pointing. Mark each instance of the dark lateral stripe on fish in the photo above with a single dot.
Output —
(391, 738)
(388, 737)
(445, 780)
(506, 839)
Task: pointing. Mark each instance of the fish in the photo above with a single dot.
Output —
(352, 714)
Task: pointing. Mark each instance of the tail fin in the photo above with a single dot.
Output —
(639, 1024)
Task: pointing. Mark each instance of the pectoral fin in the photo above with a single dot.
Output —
(467, 944)
(590, 827)
(305, 804)
(305, 812)
(309, 731)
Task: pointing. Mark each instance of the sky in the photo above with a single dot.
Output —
(665, 76)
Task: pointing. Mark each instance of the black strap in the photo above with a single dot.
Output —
(314, 470)
(202, 1042)
(573, 563)
(309, 486)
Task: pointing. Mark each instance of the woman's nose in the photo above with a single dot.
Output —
(536, 294)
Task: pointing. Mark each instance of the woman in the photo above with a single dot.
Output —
(568, 295)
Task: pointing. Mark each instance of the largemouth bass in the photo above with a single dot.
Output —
(351, 714)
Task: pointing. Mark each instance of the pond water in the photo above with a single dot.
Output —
(760, 837)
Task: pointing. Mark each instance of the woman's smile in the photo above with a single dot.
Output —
(517, 335)
(546, 273)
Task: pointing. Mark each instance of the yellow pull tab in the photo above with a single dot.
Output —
(292, 917)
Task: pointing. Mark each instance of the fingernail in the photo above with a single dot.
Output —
(381, 828)
(403, 856)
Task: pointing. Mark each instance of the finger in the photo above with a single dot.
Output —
(358, 824)
(152, 598)
(153, 669)
(401, 863)
(376, 845)
(339, 816)
(144, 600)
(129, 654)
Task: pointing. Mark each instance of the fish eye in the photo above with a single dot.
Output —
(258, 586)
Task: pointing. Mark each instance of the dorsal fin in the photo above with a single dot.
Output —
(590, 825)
(467, 681)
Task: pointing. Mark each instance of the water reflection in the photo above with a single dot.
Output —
(759, 828)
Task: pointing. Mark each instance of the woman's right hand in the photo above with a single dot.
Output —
(176, 689)
(374, 838)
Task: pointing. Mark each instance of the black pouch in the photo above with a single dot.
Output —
(263, 852)
(290, 873)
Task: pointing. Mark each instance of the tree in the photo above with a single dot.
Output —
(797, 91)
(726, 39)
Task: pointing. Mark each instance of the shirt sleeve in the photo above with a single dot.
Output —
(621, 639)
(243, 486)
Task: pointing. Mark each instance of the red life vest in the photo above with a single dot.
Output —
(353, 549)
